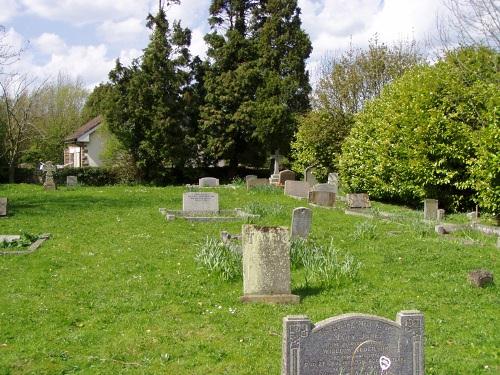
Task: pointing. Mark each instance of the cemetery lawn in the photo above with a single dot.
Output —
(117, 290)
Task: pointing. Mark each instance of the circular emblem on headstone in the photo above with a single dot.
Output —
(385, 363)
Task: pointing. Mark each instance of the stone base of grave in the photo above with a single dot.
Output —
(270, 298)
(274, 179)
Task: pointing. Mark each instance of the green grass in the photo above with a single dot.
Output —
(117, 289)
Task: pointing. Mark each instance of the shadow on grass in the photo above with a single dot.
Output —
(305, 291)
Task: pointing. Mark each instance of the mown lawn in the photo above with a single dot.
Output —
(116, 289)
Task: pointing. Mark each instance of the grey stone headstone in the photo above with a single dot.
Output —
(440, 214)
(430, 209)
(299, 189)
(71, 180)
(301, 222)
(253, 182)
(49, 170)
(250, 176)
(266, 265)
(322, 198)
(200, 202)
(309, 176)
(3, 206)
(208, 182)
(358, 200)
(285, 176)
(333, 180)
(324, 187)
(354, 344)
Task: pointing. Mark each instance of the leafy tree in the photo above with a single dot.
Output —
(422, 137)
(148, 107)
(97, 101)
(346, 83)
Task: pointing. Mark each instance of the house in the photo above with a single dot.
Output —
(84, 147)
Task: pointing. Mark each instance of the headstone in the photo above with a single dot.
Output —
(301, 222)
(71, 180)
(472, 215)
(285, 176)
(49, 170)
(353, 344)
(480, 278)
(253, 182)
(324, 187)
(200, 202)
(274, 179)
(266, 265)
(322, 198)
(299, 189)
(358, 200)
(250, 176)
(309, 176)
(3, 206)
(430, 209)
(440, 214)
(333, 180)
(208, 182)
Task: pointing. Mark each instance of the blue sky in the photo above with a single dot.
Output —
(82, 38)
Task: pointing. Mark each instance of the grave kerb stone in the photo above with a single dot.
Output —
(354, 344)
(301, 222)
(200, 202)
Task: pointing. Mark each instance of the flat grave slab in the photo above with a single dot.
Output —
(31, 249)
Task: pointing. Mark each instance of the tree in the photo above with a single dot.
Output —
(8, 53)
(148, 108)
(346, 83)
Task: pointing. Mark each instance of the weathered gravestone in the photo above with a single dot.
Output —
(301, 222)
(3, 206)
(323, 187)
(322, 198)
(285, 176)
(49, 170)
(298, 189)
(266, 265)
(333, 180)
(440, 214)
(309, 176)
(253, 182)
(358, 201)
(208, 182)
(250, 176)
(430, 209)
(354, 344)
(200, 202)
(71, 181)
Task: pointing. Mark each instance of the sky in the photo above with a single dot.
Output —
(83, 38)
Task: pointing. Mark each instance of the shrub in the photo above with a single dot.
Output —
(92, 176)
(224, 260)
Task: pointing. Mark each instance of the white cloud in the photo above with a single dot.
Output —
(9, 9)
(127, 31)
(198, 46)
(49, 43)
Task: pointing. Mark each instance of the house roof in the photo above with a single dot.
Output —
(84, 129)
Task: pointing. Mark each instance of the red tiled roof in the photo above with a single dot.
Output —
(92, 124)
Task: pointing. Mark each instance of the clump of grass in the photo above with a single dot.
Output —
(365, 231)
(26, 240)
(238, 181)
(222, 259)
(262, 209)
(323, 264)
(421, 229)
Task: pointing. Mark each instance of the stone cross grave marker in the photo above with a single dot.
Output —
(301, 222)
(274, 179)
(353, 344)
(3, 206)
(200, 202)
(360, 200)
(49, 170)
(208, 182)
(71, 181)
(309, 176)
(285, 176)
(266, 265)
(430, 209)
(299, 189)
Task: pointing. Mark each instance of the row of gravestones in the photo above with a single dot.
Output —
(346, 344)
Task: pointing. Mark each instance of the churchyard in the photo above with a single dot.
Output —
(118, 289)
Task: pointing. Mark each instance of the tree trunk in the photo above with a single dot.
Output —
(12, 173)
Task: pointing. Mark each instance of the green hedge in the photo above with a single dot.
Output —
(92, 176)
(431, 134)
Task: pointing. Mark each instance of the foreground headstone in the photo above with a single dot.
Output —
(200, 202)
(322, 198)
(286, 175)
(49, 170)
(360, 200)
(301, 222)
(353, 344)
(254, 182)
(430, 209)
(266, 265)
(298, 189)
(3, 206)
(71, 181)
(309, 176)
(208, 182)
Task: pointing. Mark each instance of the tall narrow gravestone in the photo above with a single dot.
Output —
(3, 206)
(266, 265)
(430, 209)
(353, 344)
(301, 222)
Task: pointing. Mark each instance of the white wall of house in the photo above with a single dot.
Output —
(95, 148)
